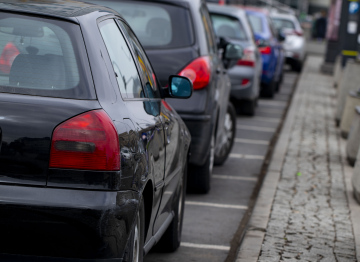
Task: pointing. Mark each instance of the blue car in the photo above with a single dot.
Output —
(269, 43)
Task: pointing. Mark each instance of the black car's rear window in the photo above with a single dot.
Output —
(156, 25)
(227, 26)
(43, 57)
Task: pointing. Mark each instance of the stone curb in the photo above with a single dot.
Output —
(254, 236)
(353, 205)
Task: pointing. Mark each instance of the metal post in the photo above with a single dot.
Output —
(337, 36)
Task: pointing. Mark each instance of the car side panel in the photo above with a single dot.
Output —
(27, 124)
(177, 142)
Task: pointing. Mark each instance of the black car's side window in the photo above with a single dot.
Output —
(146, 71)
(123, 63)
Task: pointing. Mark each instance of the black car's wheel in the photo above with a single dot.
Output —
(199, 177)
(268, 90)
(171, 239)
(134, 250)
(229, 135)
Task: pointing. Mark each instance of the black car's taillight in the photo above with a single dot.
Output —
(88, 141)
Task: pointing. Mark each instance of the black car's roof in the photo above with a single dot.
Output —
(57, 8)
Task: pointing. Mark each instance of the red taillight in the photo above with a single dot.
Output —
(245, 81)
(221, 2)
(246, 63)
(8, 55)
(198, 71)
(265, 50)
(298, 33)
(88, 141)
(248, 59)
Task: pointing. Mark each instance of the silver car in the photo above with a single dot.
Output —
(295, 43)
(231, 23)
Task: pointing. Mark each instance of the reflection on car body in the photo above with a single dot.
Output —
(179, 39)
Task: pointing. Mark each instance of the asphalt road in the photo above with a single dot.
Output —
(211, 221)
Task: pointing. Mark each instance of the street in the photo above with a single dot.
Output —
(213, 221)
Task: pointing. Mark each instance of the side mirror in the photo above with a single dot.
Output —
(180, 87)
(233, 52)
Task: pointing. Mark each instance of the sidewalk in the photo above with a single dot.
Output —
(303, 213)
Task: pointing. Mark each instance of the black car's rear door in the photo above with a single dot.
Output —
(140, 93)
(170, 128)
(143, 112)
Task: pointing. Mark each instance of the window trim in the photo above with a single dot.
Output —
(137, 62)
(113, 18)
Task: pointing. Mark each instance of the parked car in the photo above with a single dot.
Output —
(179, 39)
(220, 2)
(269, 42)
(295, 43)
(93, 159)
(231, 23)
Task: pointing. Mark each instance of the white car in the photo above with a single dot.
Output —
(295, 43)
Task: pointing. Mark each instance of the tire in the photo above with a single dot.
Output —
(248, 107)
(296, 66)
(282, 76)
(230, 131)
(171, 239)
(268, 90)
(278, 83)
(135, 248)
(199, 177)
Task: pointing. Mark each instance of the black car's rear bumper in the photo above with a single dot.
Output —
(76, 224)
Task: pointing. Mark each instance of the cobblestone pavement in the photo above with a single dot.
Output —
(310, 217)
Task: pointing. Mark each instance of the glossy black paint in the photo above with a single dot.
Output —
(88, 214)
(204, 112)
(26, 134)
(64, 221)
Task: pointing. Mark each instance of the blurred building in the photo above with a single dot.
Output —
(316, 6)
(301, 6)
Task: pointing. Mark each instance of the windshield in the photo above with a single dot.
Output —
(226, 26)
(156, 25)
(281, 23)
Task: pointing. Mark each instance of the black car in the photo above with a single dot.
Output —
(93, 159)
(179, 39)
